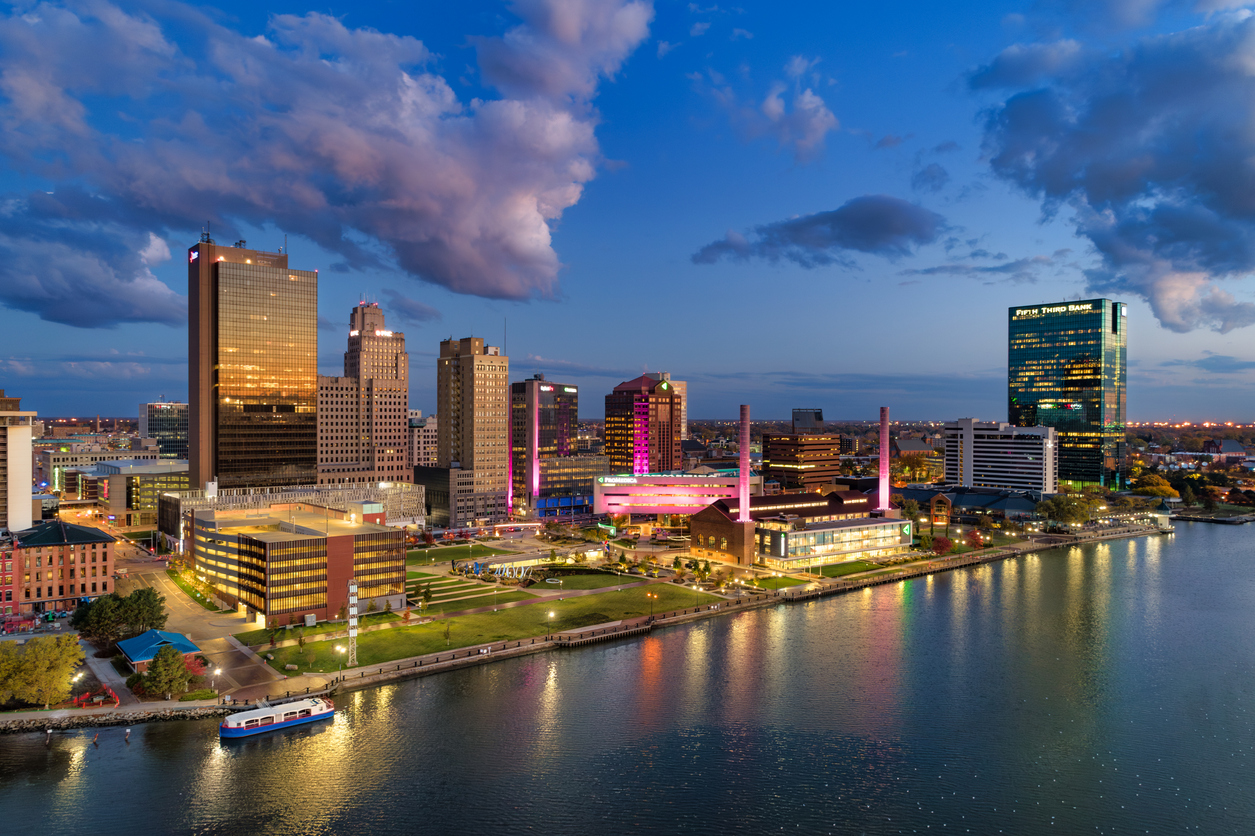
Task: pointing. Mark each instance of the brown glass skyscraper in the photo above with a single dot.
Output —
(253, 368)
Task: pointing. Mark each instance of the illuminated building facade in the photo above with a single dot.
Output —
(681, 388)
(15, 464)
(794, 532)
(166, 424)
(253, 368)
(662, 494)
(980, 454)
(423, 439)
(363, 417)
(473, 435)
(543, 420)
(801, 462)
(55, 564)
(1067, 369)
(294, 560)
(643, 426)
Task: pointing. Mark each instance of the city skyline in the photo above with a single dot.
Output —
(887, 190)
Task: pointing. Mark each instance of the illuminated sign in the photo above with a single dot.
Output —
(1083, 307)
(383, 333)
(192, 256)
(546, 388)
(569, 389)
(354, 333)
(617, 480)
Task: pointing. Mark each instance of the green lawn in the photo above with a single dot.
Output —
(596, 581)
(506, 625)
(836, 570)
(461, 552)
(256, 637)
(190, 592)
(441, 607)
(409, 576)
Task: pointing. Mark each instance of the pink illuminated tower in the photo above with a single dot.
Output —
(743, 475)
(884, 460)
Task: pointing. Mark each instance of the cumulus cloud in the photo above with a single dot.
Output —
(698, 29)
(664, 47)
(1152, 151)
(791, 112)
(409, 310)
(1128, 14)
(876, 224)
(340, 134)
(1023, 64)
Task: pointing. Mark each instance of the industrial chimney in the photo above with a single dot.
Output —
(743, 477)
(884, 460)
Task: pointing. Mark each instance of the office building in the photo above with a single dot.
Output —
(473, 435)
(363, 417)
(166, 424)
(253, 368)
(980, 454)
(681, 388)
(126, 492)
(543, 420)
(423, 439)
(56, 462)
(567, 486)
(15, 464)
(56, 564)
(643, 426)
(290, 563)
(1067, 369)
(801, 462)
(808, 421)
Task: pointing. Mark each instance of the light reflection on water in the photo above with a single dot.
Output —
(1097, 689)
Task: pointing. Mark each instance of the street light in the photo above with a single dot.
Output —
(340, 652)
(214, 682)
(651, 596)
(549, 626)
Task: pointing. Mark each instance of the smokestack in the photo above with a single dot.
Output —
(884, 459)
(743, 479)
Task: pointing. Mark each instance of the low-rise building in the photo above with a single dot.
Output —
(139, 651)
(673, 494)
(792, 532)
(127, 491)
(291, 562)
(1225, 450)
(56, 564)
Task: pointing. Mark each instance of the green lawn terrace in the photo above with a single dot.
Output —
(426, 555)
(511, 624)
(455, 593)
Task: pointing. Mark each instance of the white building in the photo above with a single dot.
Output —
(423, 442)
(982, 454)
(15, 464)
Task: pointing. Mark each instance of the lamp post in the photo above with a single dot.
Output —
(215, 679)
(340, 655)
(651, 596)
(549, 625)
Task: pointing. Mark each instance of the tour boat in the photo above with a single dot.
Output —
(271, 717)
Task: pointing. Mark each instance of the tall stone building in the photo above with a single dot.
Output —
(473, 434)
(363, 417)
(15, 464)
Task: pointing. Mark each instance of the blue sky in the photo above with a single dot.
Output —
(802, 204)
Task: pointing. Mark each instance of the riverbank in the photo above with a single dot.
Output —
(372, 676)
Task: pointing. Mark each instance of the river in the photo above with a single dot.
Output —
(1102, 689)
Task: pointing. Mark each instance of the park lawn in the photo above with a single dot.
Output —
(461, 552)
(136, 536)
(409, 576)
(513, 624)
(837, 570)
(596, 581)
(473, 602)
(252, 638)
(191, 593)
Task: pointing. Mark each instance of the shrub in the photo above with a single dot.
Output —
(134, 679)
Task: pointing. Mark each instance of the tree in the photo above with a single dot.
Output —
(942, 545)
(10, 664)
(45, 668)
(387, 607)
(427, 594)
(984, 522)
(706, 568)
(1188, 499)
(926, 541)
(167, 674)
(104, 620)
(144, 610)
(344, 611)
(553, 555)
(910, 509)
(300, 638)
(677, 564)
(371, 606)
(1209, 501)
